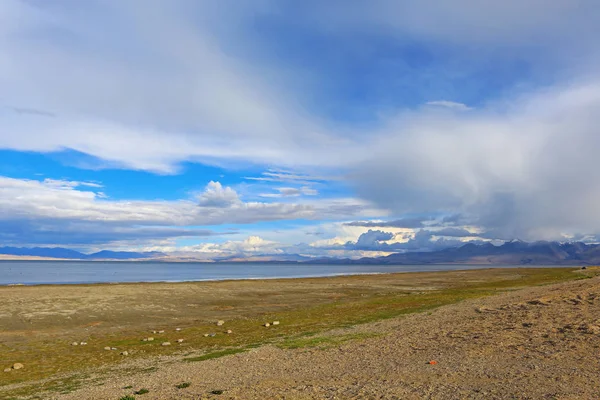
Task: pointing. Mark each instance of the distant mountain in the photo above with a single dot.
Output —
(275, 258)
(512, 253)
(53, 252)
(122, 255)
(59, 252)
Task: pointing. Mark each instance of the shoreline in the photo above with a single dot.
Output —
(468, 267)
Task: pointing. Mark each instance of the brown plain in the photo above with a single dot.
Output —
(329, 328)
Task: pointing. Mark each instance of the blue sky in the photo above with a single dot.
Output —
(273, 128)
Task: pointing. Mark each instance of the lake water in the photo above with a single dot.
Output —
(72, 272)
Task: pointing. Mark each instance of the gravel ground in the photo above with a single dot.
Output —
(536, 343)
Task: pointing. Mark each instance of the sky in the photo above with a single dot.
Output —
(277, 127)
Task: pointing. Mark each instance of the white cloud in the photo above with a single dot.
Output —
(523, 168)
(215, 195)
(252, 245)
(291, 192)
(52, 206)
(449, 104)
(178, 97)
(519, 166)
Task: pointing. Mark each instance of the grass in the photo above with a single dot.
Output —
(128, 397)
(301, 325)
(215, 354)
(142, 391)
(323, 341)
(183, 385)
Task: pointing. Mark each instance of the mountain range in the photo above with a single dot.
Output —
(511, 253)
(60, 252)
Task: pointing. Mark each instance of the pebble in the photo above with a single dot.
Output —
(206, 335)
(166, 344)
(17, 366)
(177, 329)
(125, 353)
(161, 331)
(74, 344)
(113, 348)
(107, 348)
(229, 331)
(179, 340)
(267, 324)
(150, 339)
(275, 323)
(219, 323)
(83, 343)
(7, 369)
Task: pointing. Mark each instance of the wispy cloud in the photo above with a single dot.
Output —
(449, 104)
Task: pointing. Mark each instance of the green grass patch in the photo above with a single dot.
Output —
(183, 385)
(128, 397)
(141, 391)
(215, 354)
(323, 341)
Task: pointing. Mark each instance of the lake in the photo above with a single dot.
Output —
(74, 272)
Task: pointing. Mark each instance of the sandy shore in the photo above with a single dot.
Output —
(343, 337)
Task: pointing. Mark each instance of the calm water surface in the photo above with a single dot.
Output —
(71, 272)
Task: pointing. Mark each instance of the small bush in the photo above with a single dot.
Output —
(142, 391)
(128, 397)
(183, 385)
(128, 387)
(217, 392)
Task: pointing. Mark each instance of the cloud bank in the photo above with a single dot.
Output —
(175, 82)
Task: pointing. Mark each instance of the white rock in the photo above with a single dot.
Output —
(229, 331)
(74, 344)
(107, 348)
(161, 331)
(206, 335)
(219, 323)
(113, 348)
(83, 343)
(7, 369)
(267, 324)
(166, 343)
(179, 340)
(150, 339)
(275, 323)
(125, 353)
(18, 366)
(177, 329)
